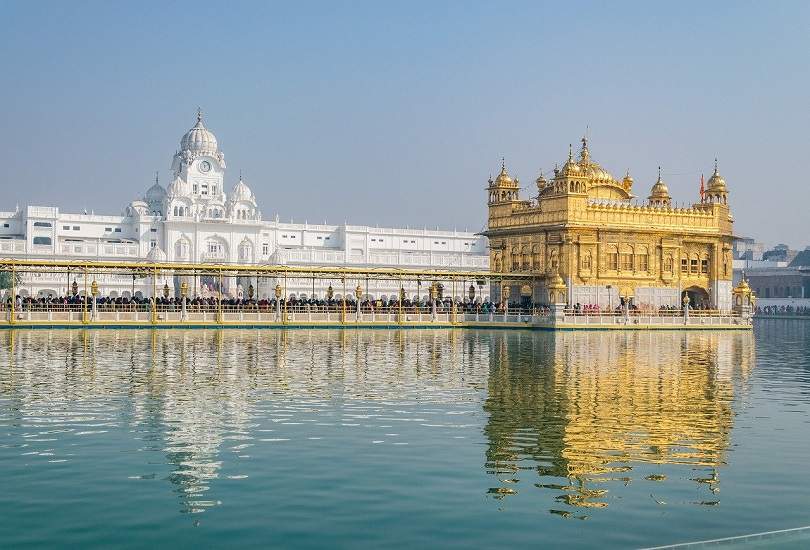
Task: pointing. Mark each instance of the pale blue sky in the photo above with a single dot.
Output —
(395, 114)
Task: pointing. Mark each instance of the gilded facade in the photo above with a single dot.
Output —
(585, 227)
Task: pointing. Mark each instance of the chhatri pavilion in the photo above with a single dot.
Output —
(583, 229)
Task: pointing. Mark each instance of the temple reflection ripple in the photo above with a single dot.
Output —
(579, 413)
(574, 417)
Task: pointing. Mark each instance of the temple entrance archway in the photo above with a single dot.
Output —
(698, 297)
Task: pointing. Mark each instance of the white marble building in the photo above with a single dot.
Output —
(194, 219)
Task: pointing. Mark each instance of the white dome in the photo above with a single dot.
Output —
(154, 194)
(241, 192)
(178, 188)
(156, 255)
(199, 139)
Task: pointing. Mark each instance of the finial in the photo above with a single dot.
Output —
(199, 114)
(570, 152)
(659, 173)
(715, 165)
(503, 163)
(240, 174)
(156, 177)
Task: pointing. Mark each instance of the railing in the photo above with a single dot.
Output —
(147, 313)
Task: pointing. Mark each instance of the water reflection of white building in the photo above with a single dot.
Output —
(194, 219)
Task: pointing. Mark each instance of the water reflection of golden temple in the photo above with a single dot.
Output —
(595, 406)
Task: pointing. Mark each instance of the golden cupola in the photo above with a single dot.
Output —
(716, 190)
(592, 170)
(504, 188)
(541, 182)
(571, 167)
(627, 181)
(659, 195)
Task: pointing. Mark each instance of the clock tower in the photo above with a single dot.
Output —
(201, 166)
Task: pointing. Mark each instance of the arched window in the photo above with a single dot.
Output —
(245, 251)
(537, 258)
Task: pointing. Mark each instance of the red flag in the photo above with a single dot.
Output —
(702, 189)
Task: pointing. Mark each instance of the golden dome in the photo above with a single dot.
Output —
(659, 194)
(504, 179)
(541, 181)
(627, 181)
(571, 167)
(555, 281)
(716, 183)
(743, 285)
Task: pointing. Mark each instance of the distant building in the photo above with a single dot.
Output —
(195, 220)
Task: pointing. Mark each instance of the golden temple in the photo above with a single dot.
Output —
(584, 229)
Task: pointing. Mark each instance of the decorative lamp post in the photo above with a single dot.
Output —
(166, 290)
(401, 300)
(251, 290)
(278, 301)
(434, 293)
(183, 293)
(75, 287)
(94, 292)
(471, 293)
(685, 307)
(358, 292)
(505, 292)
(330, 292)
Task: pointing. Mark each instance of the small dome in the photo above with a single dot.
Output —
(541, 181)
(504, 179)
(571, 167)
(659, 194)
(555, 281)
(627, 181)
(156, 255)
(156, 193)
(716, 183)
(241, 192)
(178, 188)
(199, 139)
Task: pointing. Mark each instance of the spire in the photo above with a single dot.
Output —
(585, 154)
(199, 115)
(715, 165)
(570, 152)
(659, 173)
(503, 164)
(156, 178)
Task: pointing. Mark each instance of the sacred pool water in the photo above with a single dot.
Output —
(403, 438)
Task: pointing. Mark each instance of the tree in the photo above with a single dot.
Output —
(5, 280)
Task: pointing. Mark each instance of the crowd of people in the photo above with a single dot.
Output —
(79, 302)
(783, 310)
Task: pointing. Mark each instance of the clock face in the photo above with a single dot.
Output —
(205, 166)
